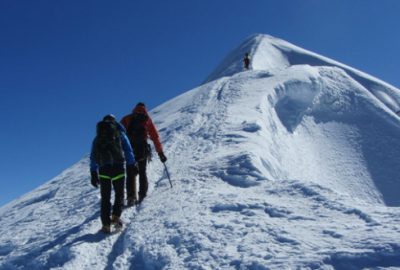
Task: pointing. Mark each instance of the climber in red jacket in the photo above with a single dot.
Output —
(139, 127)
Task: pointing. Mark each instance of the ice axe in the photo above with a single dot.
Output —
(166, 170)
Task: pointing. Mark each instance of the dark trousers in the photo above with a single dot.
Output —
(142, 153)
(106, 186)
(143, 183)
(131, 187)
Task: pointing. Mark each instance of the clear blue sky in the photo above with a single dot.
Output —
(65, 64)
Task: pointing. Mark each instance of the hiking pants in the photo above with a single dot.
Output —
(142, 151)
(131, 187)
(143, 183)
(111, 176)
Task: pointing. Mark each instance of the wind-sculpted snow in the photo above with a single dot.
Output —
(384, 257)
(271, 54)
(342, 109)
(291, 165)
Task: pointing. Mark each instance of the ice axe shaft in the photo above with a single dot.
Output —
(169, 178)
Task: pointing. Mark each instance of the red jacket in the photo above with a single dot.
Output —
(149, 127)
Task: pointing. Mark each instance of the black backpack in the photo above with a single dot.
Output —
(137, 129)
(137, 134)
(108, 146)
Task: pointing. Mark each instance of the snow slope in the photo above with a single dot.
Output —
(291, 165)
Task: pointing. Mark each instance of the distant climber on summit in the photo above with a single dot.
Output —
(110, 151)
(246, 61)
(139, 127)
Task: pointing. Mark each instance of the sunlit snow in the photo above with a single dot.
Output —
(293, 164)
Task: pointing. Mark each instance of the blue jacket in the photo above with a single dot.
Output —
(121, 127)
(126, 146)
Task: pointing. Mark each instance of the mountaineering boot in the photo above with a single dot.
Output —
(116, 221)
(131, 201)
(140, 200)
(106, 229)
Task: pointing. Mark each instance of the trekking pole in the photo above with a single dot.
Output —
(169, 178)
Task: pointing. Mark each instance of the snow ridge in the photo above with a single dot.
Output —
(290, 165)
(270, 53)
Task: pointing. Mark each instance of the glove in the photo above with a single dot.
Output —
(163, 158)
(94, 179)
(131, 171)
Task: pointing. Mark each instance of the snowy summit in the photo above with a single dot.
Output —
(292, 164)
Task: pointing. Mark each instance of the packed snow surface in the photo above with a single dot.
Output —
(293, 164)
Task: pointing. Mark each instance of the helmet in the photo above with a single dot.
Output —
(109, 117)
(140, 108)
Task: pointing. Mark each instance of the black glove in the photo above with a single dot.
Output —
(94, 179)
(131, 171)
(163, 158)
